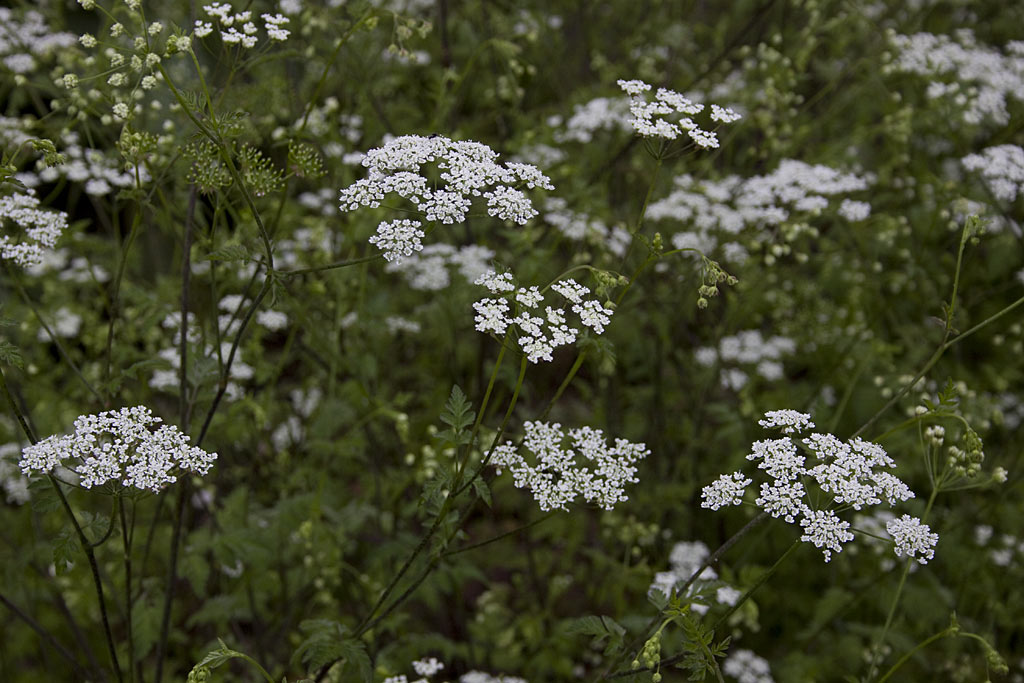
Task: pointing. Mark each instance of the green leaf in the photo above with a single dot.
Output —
(482, 490)
(229, 252)
(601, 628)
(328, 642)
(458, 415)
(65, 550)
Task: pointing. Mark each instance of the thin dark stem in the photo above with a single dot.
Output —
(186, 273)
(512, 532)
(115, 298)
(95, 568)
(172, 577)
(329, 266)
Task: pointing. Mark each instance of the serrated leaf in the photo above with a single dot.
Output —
(325, 643)
(600, 626)
(230, 252)
(44, 498)
(65, 550)
(482, 490)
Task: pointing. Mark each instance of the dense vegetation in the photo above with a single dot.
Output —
(487, 341)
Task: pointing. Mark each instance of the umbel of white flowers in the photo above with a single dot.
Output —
(558, 475)
(852, 474)
(538, 336)
(122, 446)
(405, 167)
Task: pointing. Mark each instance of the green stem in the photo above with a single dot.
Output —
(115, 296)
(53, 337)
(330, 266)
(925, 643)
(493, 539)
(757, 584)
(126, 542)
(464, 462)
(877, 647)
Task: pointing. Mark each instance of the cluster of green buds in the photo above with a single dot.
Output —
(935, 435)
(712, 275)
(966, 461)
(650, 655)
(198, 674)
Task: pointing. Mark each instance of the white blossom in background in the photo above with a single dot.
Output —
(272, 320)
(429, 269)
(669, 114)
(747, 667)
(26, 231)
(732, 212)
(467, 169)
(852, 474)
(854, 211)
(169, 379)
(1002, 167)
(427, 667)
(542, 325)
(481, 677)
(759, 354)
(66, 323)
(558, 475)
(25, 36)
(684, 560)
(602, 113)
(976, 79)
(15, 484)
(125, 446)
(580, 227)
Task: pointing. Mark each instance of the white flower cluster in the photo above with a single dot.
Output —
(398, 238)
(976, 78)
(1002, 167)
(468, 169)
(557, 479)
(685, 559)
(538, 336)
(853, 473)
(122, 446)
(583, 228)
(428, 269)
(229, 21)
(28, 231)
(912, 538)
(718, 211)
(649, 117)
(747, 667)
(751, 348)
